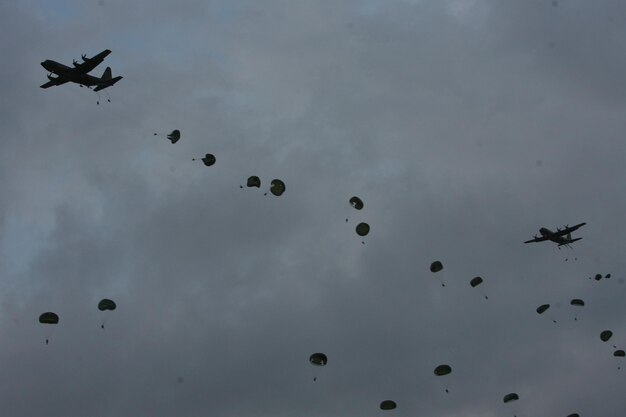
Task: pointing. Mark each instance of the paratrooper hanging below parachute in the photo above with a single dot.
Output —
(104, 305)
(48, 318)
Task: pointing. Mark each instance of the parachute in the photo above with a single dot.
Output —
(476, 281)
(510, 397)
(208, 160)
(49, 318)
(574, 415)
(356, 203)
(577, 302)
(253, 181)
(277, 187)
(442, 370)
(607, 276)
(606, 335)
(174, 136)
(598, 277)
(436, 266)
(542, 308)
(362, 229)
(318, 359)
(387, 405)
(106, 304)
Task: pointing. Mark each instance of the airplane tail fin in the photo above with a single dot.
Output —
(107, 83)
(106, 76)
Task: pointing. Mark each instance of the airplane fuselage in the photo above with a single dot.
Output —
(556, 237)
(71, 74)
(550, 235)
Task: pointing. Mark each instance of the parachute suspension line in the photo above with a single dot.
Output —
(570, 250)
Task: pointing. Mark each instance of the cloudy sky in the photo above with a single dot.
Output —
(464, 126)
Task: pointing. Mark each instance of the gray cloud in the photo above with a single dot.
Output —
(463, 126)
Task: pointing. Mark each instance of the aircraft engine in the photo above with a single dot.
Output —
(51, 78)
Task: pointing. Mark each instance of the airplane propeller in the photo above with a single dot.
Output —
(84, 57)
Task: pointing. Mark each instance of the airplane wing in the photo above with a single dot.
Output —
(537, 239)
(53, 82)
(569, 229)
(90, 63)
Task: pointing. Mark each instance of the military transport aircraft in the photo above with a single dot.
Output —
(561, 236)
(78, 74)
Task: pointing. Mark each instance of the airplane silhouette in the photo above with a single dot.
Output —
(561, 236)
(78, 74)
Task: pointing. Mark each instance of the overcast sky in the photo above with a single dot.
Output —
(463, 125)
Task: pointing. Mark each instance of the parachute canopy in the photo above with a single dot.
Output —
(598, 277)
(209, 159)
(106, 304)
(362, 229)
(387, 405)
(436, 266)
(442, 370)
(49, 318)
(476, 281)
(606, 335)
(607, 276)
(577, 302)
(356, 203)
(254, 181)
(574, 415)
(318, 359)
(174, 136)
(543, 308)
(510, 397)
(619, 353)
(277, 187)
